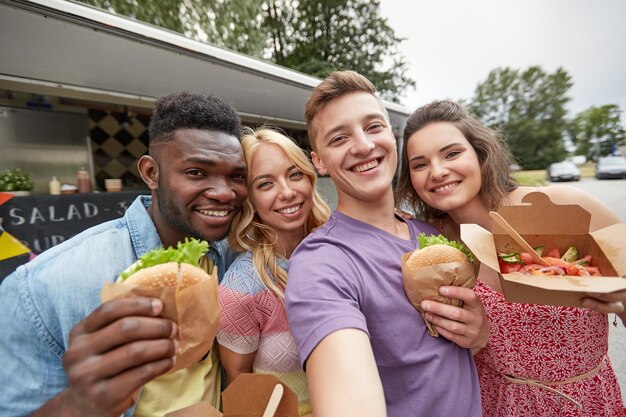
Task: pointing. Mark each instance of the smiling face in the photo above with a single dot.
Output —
(444, 167)
(198, 179)
(280, 192)
(355, 146)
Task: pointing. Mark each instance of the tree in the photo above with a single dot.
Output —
(528, 107)
(597, 131)
(347, 34)
(234, 24)
(163, 13)
(315, 37)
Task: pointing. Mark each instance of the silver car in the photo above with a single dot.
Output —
(563, 171)
(611, 167)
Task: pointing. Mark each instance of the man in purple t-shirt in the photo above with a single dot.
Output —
(365, 348)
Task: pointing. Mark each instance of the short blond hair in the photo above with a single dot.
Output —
(337, 84)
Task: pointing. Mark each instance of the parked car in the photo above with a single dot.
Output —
(563, 171)
(611, 167)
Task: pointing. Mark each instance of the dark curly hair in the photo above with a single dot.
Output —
(192, 110)
(493, 153)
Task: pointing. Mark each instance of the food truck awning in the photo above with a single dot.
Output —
(66, 49)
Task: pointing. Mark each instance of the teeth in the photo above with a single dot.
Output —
(365, 167)
(446, 187)
(215, 213)
(290, 210)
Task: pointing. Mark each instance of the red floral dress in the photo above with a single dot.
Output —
(545, 343)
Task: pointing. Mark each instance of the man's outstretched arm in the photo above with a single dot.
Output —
(342, 377)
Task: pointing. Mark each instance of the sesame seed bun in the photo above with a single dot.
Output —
(171, 274)
(435, 254)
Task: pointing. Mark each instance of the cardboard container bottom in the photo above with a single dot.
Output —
(518, 288)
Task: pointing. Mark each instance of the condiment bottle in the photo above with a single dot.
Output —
(55, 186)
(83, 181)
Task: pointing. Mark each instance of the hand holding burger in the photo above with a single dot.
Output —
(188, 293)
(436, 263)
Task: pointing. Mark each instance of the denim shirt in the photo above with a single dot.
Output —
(43, 300)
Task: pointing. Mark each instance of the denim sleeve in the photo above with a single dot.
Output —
(31, 372)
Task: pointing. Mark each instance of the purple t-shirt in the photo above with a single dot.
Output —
(347, 275)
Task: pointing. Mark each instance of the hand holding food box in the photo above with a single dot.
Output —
(557, 228)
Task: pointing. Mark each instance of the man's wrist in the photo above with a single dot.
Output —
(61, 405)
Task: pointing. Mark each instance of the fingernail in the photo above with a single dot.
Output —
(444, 290)
(176, 346)
(428, 316)
(426, 305)
(156, 306)
(174, 331)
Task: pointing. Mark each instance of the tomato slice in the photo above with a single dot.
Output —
(526, 258)
(574, 270)
(554, 253)
(507, 268)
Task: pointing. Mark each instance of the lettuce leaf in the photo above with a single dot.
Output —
(442, 240)
(190, 252)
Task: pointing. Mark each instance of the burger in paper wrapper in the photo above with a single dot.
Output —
(436, 263)
(178, 277)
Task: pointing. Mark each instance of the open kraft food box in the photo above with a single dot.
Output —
(543, 223)
(247, 396)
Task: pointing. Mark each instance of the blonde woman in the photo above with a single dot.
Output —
(282, 208)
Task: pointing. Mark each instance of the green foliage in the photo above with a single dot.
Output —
(597, 130)
(15, 180)
(528, 108)
(347, 34)
(315, 37)
(163, 13)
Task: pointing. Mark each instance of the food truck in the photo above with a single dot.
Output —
(77, 86)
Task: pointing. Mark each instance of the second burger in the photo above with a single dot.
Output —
(438, 262)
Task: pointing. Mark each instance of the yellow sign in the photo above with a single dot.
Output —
(11, 247)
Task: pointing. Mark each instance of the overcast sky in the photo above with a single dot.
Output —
(453, 44)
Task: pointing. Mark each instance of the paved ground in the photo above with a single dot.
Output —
(613, 194)
(610, 192)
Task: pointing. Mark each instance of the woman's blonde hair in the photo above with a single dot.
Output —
(248, 231)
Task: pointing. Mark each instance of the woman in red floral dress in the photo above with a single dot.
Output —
(540, 360)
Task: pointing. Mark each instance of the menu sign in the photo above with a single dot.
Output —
(43, 221)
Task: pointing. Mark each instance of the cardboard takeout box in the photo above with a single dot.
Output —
(247, 396)
(543, 223)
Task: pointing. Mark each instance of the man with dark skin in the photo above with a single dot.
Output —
(75, 358)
